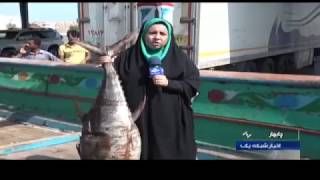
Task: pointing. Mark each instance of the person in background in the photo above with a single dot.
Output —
(9, 53)
(73, 53)
(32, 51)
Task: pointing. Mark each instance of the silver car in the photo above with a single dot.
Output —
(12, 40)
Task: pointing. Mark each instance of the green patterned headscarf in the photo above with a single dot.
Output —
(162, 52)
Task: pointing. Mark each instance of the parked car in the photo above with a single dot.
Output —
(12, 40)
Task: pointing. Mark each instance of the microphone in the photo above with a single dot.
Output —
(155, 68)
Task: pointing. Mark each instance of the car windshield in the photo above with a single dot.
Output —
(46, 34)
(8, 35)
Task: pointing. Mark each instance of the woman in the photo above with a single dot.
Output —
(166, 124)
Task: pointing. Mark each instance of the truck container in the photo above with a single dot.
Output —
(254, 37)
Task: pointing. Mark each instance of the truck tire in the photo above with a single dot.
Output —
(249, 66)
(283, 64)
(266, 65)
(316, 65)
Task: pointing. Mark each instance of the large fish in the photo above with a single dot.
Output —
(124, 43)
(109, 130)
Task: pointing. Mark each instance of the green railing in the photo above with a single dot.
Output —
(54, 90)
(252, 106)
(229, 103)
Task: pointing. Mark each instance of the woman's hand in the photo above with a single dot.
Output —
(160, 80)
(105, 59)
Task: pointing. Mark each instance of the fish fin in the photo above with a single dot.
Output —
(138, 111)
(78, 149)
(78, 109)
(86, 126)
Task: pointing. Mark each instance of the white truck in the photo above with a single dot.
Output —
(254, 37)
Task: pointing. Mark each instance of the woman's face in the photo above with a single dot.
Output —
(157, 36)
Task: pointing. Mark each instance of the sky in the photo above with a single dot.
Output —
(42, 11)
